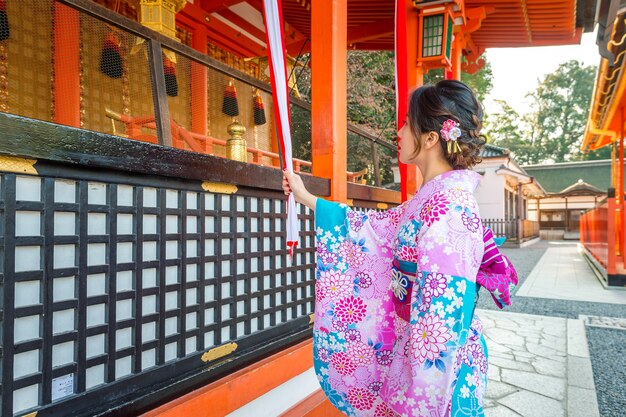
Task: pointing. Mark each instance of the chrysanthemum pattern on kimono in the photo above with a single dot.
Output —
(395, 331)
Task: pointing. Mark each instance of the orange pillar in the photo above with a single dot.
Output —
(457, 53)
(611, 255)
(621, 232)
(415, 79)
(66, 65)
(622, 203)
(329, 19)
(199, 86)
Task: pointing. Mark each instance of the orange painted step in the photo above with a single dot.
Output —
(315, 405)
(234, 391)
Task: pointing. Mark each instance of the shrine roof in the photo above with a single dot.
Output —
(508, 23)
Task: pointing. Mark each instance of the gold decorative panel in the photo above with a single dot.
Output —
(29, 65)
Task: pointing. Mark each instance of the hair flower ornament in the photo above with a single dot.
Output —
(450, 132)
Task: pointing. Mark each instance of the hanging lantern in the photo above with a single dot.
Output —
(4, 21)
(435, 40)
(259, 110)
(264, 72)
(160, 15)
(171, 83)
(110, 57)
(230, 106)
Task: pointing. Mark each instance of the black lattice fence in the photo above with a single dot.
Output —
(113, 284)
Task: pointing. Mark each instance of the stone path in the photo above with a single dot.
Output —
(564, 274)
(538, 367)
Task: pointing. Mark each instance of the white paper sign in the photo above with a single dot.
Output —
(62, 386)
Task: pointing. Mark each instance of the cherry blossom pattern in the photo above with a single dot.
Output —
(470, 221)
(361, 399)
(428, 338)
(436, 207)
(350, 310)
(342, 363)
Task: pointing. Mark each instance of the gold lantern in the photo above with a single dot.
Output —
(264, 71)
(436, 23)
(160, 15)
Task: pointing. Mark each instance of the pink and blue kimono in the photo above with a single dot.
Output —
(395, 331)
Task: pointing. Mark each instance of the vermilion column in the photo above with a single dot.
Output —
(199, 86)
(415, 80)
(457, 52)
(66, 65)
(329, 20)
(622, 201)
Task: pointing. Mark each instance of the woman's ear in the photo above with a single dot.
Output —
(430, 139)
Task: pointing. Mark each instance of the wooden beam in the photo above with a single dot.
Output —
(370, 31)
(211, 6)
(235, 38)
(161, 107)
(244, 24)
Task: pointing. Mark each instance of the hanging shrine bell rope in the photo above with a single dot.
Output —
(278, 71)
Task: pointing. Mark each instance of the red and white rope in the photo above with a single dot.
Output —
(280, 89)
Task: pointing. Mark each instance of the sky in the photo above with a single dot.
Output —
(517, 71)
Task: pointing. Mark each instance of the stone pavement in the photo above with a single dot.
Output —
(538, 367)
(562, 273)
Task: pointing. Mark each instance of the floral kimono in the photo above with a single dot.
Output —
(395, 331)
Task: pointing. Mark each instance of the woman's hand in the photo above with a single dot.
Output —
(292, 183)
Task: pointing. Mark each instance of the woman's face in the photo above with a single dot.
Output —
(406, 145)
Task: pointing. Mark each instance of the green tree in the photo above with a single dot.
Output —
(503, 129)
(480, 82)
(371, 105)
(553, 130)
(561, 105)
(507, 129)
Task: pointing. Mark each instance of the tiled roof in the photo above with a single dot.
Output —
(582, 187)
(557, 177)
(490, 151)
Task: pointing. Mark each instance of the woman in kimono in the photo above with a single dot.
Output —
(395, 331)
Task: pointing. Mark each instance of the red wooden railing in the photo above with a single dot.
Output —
(595, 235)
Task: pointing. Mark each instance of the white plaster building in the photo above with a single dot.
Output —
(503, 195)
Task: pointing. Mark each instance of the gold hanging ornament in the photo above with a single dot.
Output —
(160, 16)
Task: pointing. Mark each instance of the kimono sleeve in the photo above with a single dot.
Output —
(450, 248)
(371, 228)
